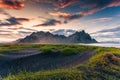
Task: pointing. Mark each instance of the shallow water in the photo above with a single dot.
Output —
(104, 44)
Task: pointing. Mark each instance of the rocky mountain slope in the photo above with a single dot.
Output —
(47, 37)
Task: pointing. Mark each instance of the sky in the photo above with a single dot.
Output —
(99, 18)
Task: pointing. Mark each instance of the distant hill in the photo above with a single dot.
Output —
(47, 37)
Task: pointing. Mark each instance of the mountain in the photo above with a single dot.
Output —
(47, 37)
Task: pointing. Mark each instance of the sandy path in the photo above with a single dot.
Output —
(80, 58)
(19, 54)
(30, 60)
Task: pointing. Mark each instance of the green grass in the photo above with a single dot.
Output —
(1, 54)
(103, 65)
(101, 54)
(69, 51)
(46, 50)
(47, 75)
(12, 47)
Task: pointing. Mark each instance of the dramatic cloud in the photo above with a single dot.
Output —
(12, 4)
(18, 4)
(65, 3)
(90, 7)
(97, 5)
(57, 3)
(12, 21)
(60, 12)
(50, 22)
(93, 6)
(66, 16)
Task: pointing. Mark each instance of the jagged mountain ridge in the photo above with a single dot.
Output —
(47, 37)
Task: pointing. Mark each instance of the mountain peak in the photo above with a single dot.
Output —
(47, 37)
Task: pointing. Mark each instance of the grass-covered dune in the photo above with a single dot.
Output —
(59, 62)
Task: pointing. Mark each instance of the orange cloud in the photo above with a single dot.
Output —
(97, 6)
(60, 14)
(65, 3)
(12, 4)
(90, 11)
(57, 3)
(115, 3)
(66, 16)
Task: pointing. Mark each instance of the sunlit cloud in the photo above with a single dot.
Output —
(22, 17)
(101, 20)
(12, 4)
